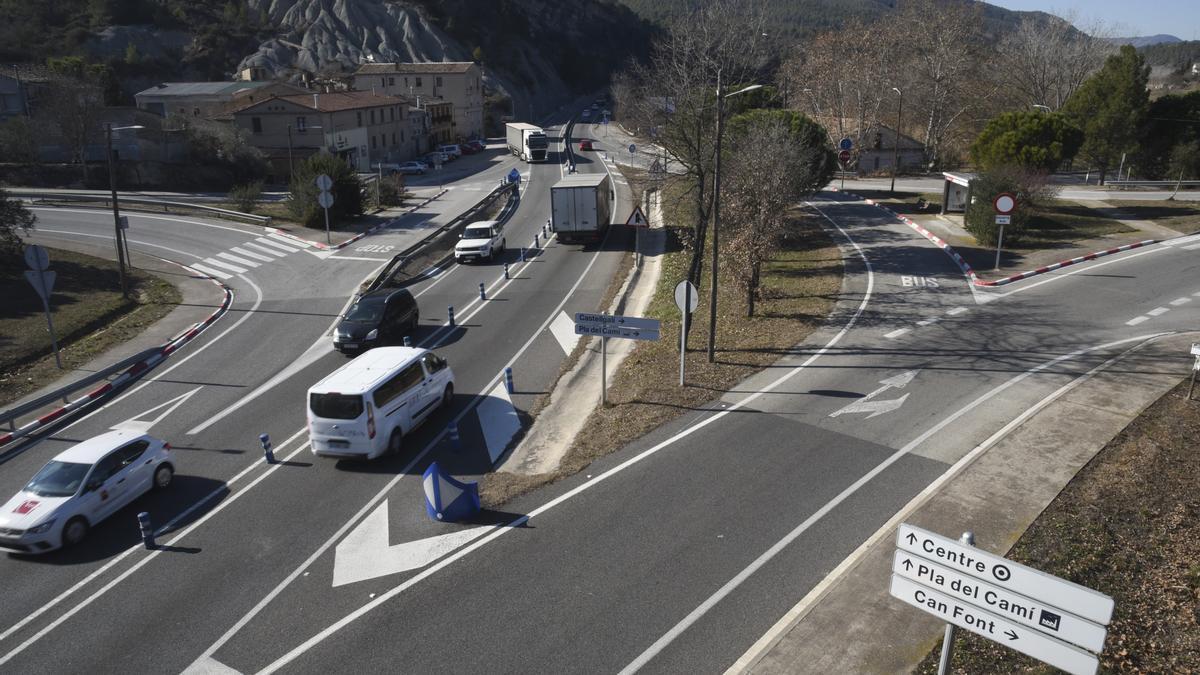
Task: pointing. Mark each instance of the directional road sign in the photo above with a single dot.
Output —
(1068, 596)
(996, 628)
(619, 332)
(617, 320)
(1003, 220)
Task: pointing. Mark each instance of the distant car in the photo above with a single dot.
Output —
(451, 150)
(595, 106)
(82, 486)
(434, 158)
(585, 144)
(480, 241)
(467, 149)
(377, 318)
(477, 145)
(410, 168)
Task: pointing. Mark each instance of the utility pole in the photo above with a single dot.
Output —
(896, 139)
(291, 166)
(716, 228)
(112, 185)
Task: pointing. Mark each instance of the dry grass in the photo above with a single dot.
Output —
(1127, 525)
(1178, 215)
(90, 315)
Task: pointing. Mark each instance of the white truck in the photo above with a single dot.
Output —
(581, 206)
(527, 141)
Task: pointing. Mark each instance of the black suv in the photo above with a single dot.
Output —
(377, 318)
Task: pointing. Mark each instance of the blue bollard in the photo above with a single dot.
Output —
(452, 431)
(266, 446)
(505, 270)
(508, 380)
(522, 254)
(536, 242)
(407, 341)
(450, 313)
(482, 293)
(147, 530)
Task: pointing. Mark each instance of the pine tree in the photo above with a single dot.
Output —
(1109, 107)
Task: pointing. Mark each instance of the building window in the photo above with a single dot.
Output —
(256, 125)
(393, 138)
(358, 117)
(373, 147)
(372, 116)
(401, 135)
(418, 81)
(301, 124)
(382, 82)
(391, 81)
(393, 109)
(437, 81)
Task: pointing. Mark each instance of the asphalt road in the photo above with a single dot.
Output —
(238, 523)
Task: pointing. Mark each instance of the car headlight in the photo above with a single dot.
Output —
(373, 334)
(43, 528)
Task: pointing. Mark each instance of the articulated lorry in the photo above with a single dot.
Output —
(581, 206)
(527, 141)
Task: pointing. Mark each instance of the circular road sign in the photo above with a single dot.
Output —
(324, 182)
(37, 258)
(325, 199)
(844, 157)
(846, 143)
(681, 290)
(1005, 203)
(632, 148)
(514, 176)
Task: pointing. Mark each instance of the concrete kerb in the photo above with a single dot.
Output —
(169, 347)
(371, 230)
(970, 273)
(577, 392)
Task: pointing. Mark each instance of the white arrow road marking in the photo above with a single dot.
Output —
(207, 665)
(498, 419)
(563, 330)
(365, 553)
(866, 404)
(135, 424)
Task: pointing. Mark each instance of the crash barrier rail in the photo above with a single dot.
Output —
(140, 201)
(1151, 183)
(449, 229)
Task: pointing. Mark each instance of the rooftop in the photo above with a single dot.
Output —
(333, 101)
(200, 88)
(415, 68)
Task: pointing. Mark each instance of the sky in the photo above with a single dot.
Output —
(1130, 18)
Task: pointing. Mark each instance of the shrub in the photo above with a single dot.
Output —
(245, 197)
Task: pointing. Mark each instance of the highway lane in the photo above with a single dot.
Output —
(663, 564)
(260, 524)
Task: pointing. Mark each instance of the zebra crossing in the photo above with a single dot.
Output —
(249, 255)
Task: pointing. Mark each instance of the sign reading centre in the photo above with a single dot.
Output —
(1051, 619)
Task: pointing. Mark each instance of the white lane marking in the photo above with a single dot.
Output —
(254, 611)
(225, 265)
(109, 237)
(1192, 247)
(209, 666)
(563, 330)
(366, 552)
(350, 257)
(1197, 294)
(1159, 311)
(842, 496)
(501, 530)
(897, 333)
(1180, 301)
(278, 246)
(928, 322)
(265, 249)
(220, 506)
(251, 254)
(1183, 240)
(142, 426)
(437, 277)
(300, 243)
(1059, 275)
(235, 259)
(142, 216)
(958, 310)
(210, 271)
(498, 420)
(789, 620)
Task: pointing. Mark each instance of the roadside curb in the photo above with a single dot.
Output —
(360, 235)
(166, 349)
(970, 273)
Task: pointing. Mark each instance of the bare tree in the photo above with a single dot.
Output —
(72, 107)
(1045, 59)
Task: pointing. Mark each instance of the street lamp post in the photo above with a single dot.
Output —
(896, 139)
(291, 164)
(119, 234)
(716, 210)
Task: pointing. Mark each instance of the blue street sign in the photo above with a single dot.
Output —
(846, 144)
(514, 176)
(632, 148)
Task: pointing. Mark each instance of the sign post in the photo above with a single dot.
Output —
(325, 199)
(686, 299)
(844, 156)
(637, 220)
(42, 279)
(615, 326)
(1051, 619)
(1004, 204)
(1195, 368)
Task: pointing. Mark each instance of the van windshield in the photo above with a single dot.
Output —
(58, 479)
(365, 312)
(473, 232)
(336, 406)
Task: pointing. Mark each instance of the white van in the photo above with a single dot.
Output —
(451, 150)
(365, 408)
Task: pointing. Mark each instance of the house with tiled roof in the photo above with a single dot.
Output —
(207, 99)
(364, 128)
(457, 83)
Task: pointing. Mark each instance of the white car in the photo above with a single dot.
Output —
(479, 241)
(82, 486)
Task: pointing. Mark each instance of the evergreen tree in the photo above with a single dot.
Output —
(1033, 140)
(1109, 107)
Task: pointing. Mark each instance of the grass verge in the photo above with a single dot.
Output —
(90, 315)
(799, 288)
(1127, 525)
(1064, 222)
(1179, 216)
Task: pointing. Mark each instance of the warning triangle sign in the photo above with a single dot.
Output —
(637, 218)
(656, 168)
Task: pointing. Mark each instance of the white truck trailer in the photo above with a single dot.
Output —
(581, 206)
(527, 141)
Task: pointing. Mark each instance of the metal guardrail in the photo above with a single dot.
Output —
(10, 417)
(106, 199)
(1151, 183)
